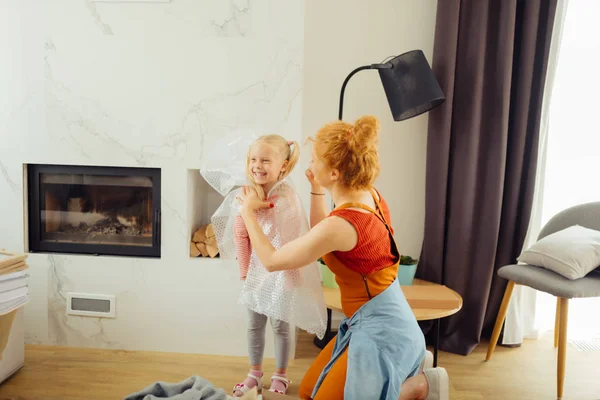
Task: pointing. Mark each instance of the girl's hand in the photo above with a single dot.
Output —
(250, 201)
(315, 187)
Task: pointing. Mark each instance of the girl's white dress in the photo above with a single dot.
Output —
(293, 296)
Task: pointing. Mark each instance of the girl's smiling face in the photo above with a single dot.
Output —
(265, 164)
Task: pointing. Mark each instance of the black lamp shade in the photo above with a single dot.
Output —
(410, 86)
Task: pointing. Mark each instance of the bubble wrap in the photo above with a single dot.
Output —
(293, 296)
(226, 173)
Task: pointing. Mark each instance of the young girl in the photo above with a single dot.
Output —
(286, 297)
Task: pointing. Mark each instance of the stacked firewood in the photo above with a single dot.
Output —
(204, 242)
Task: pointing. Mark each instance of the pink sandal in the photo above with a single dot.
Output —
(285, 381)
(243, 388)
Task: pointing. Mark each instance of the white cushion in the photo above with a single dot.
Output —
(572, 252)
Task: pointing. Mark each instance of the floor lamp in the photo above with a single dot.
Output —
(411, 89)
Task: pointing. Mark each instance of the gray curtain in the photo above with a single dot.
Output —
(490, 57)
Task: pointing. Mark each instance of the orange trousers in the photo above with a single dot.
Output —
(332, 386)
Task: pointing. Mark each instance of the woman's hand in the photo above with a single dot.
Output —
(314, 186)
(250, 201)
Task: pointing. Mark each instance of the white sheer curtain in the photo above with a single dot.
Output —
(569, 162)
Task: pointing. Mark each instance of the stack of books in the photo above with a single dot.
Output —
(14, 292)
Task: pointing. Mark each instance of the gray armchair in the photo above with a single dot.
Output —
(587, 215)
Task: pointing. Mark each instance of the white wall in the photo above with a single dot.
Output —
(341, 35)
(141, 84)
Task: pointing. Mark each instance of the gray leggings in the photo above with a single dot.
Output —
(256, 339)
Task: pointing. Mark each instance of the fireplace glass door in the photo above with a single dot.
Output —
(97, 210)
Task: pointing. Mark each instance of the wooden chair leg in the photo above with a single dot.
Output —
(500, 320)
(562, 347)
(557, 322)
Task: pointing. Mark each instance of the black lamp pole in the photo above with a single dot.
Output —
(350, 75)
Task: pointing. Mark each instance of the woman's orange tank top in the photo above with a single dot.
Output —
(372, 266)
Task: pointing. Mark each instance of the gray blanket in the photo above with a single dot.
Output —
(193, 388)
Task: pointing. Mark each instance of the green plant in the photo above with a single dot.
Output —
(408, 260)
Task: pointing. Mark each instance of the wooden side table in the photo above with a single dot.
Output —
(428, 301)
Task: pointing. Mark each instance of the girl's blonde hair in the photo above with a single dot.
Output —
(290, 151)
(351, 149)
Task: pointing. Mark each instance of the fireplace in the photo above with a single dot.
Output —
(94, 210)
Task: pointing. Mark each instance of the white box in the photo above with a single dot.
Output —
(13, 356)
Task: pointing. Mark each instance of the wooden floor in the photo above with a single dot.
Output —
(529, 372)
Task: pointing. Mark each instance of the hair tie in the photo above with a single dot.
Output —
(290, 143)
(349, 132)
